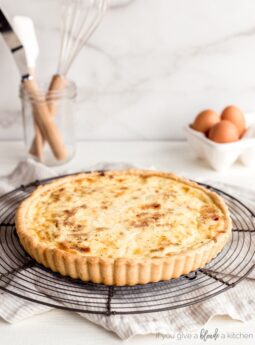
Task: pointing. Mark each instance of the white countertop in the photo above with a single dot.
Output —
(59, 327)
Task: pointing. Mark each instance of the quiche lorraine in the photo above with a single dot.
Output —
(123, 227)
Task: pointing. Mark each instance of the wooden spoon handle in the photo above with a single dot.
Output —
(58, 83)
(45, 122)
(36, 148)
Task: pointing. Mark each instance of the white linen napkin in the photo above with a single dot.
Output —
(238, 303)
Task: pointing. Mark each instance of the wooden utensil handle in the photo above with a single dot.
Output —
(36, 148)
(58, 83)
(45, 122)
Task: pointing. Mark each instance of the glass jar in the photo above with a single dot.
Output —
(48, 122)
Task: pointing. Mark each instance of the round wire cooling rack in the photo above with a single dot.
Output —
(21, 276)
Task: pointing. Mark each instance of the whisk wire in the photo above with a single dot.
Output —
(76, 32)
(81, 19)
(74, 18)
(63, 20)
(66, 15)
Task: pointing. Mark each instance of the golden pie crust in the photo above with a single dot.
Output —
(123, 227)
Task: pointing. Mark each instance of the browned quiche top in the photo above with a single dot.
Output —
(124, 214)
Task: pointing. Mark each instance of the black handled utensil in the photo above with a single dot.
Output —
(15, 46)
(41, 113)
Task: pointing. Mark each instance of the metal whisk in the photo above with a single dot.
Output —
(80, 20)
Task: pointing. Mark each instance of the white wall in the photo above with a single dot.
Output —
(150, 67)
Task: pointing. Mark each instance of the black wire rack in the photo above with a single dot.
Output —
(21, 276)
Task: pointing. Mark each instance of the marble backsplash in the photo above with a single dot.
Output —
(150, 67)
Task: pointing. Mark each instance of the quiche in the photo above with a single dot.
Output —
(123, 227)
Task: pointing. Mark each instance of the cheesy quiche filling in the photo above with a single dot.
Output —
(124, 215)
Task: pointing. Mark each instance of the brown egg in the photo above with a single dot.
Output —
(224, 132)
(235, 115)
(205, 120)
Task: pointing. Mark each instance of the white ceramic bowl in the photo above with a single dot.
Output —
(221, 156)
